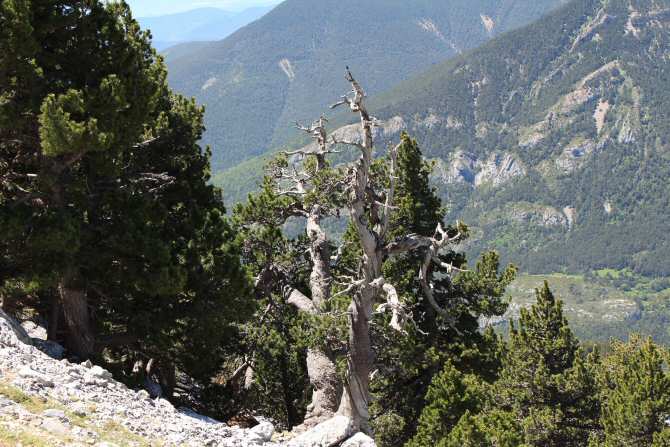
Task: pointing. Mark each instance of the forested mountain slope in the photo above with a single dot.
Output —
(288, 65)
(557, 148)
(554, 149)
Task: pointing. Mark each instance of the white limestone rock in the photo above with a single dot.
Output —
(499, 168)
(359, 440)
(90, 393)
(261, 433)
(328, 433)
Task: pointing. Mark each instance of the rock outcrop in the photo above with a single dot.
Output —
(499, 168)
(496, 170)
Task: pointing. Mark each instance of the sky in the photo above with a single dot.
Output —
(145, 8)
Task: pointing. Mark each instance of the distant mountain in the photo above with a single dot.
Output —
(203, 24)
(556, 148)
(288, 65)
(551, 141)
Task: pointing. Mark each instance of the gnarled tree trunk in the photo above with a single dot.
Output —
(326, 387)
(369, 211)
(53, 323)
(354, 402)
(80, 338)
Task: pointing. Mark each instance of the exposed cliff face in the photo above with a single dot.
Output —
(466, 168)
(498, 169)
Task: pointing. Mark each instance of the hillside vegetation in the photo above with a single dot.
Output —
(601, 305)
(557, 148)
(287, 66)
(554, 149)
(355, 294)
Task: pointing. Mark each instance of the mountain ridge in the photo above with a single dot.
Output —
(536, 140)
(198, 25)
(287, 65)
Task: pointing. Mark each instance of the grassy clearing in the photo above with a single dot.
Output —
(23, 437)
(604, 304)
(33, 404)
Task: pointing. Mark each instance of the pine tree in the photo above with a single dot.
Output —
(636, 394)
(410, 363)
(451, 396)
(546, 392)
(105, 202)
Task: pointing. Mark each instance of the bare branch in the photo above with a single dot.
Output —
(146, 143)
(335, 259)
(334, 140)
(350, 288)
(304, 153)
(408, 243)
(390, 194)
(344, 100)
(398, 313)
(299, 300)
(290, 192)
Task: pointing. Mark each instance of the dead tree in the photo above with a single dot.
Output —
(320, 363)
(299, 186)
(369, 211)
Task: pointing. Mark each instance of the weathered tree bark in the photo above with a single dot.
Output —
(370, 211)
(80, 339)
(321, 366)
(168, 378)
(326, 387)
(320, 278)
(352, 414)
(53, 323)
(354, 402)
(8, 303)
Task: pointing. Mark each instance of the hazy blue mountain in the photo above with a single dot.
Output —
(203, 24)
(288, 65)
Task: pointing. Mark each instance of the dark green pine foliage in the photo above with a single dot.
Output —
(546, 394)
(276, 340)
(636, 395)
(105, 202)
(451, 396)
(19, 75)
(545, 381)
(410, 362)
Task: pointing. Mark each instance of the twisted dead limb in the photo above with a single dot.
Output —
(370, 211)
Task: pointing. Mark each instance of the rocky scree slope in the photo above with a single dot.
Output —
(50, 402)
(288, 65)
